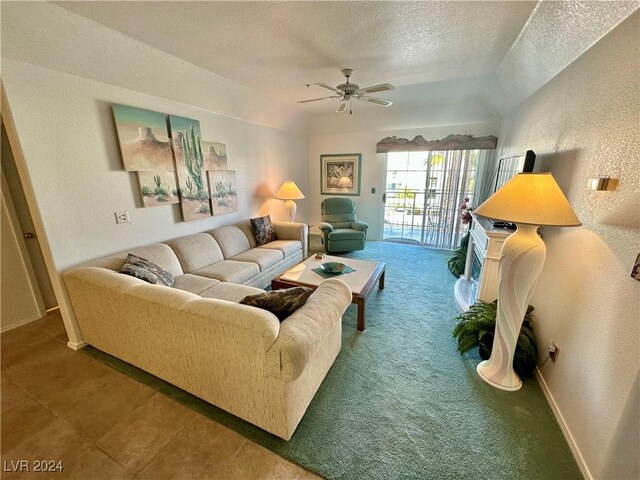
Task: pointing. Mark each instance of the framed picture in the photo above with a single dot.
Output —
(340, 174)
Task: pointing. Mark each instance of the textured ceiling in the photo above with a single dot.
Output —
(433, 52)
(493, 53)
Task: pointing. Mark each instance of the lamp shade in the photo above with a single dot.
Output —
(530, 199)
(289, 191)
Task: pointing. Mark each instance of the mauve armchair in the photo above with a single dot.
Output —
(341, 230)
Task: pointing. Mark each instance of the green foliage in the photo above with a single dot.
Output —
(222, 189)
(476, 328)
(203, 208)
(147, 191)
(157, 180)
(162, 198)
(193, 160)
(456, 261)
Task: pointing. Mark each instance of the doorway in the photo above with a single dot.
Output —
(24, 228)
(424, 191)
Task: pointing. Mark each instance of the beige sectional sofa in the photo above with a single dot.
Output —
(197, 336)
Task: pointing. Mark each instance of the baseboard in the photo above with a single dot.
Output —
(76, 345)
(563, 426)
(22, 322)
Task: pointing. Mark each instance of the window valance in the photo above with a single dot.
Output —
(451, 142)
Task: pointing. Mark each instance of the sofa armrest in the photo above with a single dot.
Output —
(302, 333)
(358, 225)
(293, 231)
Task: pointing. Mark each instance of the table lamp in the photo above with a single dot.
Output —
(529, 200)
(289, 191)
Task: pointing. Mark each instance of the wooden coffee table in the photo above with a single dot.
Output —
(361, 281)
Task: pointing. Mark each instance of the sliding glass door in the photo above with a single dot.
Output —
(423, 193)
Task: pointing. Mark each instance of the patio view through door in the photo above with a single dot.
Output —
(423, 193)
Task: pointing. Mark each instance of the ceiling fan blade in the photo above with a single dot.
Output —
(342, 106)
(376, 88)
(378, 101)
(324, 85)
(316, 99)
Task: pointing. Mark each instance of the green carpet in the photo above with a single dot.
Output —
(400, 402)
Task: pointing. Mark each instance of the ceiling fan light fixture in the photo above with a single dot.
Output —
(347, 91)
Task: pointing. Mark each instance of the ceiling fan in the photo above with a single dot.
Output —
(347, 91)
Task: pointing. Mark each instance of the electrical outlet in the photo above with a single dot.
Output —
(554, 351)
(122, 217)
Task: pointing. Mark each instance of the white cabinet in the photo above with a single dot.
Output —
(485, 243)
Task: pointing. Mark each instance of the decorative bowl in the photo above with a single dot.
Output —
(333, 267)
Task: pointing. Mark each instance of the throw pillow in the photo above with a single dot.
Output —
(281, 303)
(146, 270)
(263, 230)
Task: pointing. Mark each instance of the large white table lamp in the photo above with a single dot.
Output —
(529, 200)
(289, 191)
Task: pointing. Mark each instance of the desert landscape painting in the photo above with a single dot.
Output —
(215, 156)
(158, 188)
(224, 191)
(192, 180)
(143, 138)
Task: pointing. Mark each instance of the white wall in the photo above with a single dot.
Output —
(582, 124)
(61, 72)
(369, 207)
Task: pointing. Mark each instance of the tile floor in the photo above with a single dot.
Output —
(62, 405)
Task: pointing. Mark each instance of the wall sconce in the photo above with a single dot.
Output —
(603, 183)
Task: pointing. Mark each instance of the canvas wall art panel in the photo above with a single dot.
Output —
(215, 156)
(340, 174)
(192, 180)
(158, 188)
(143, 138)
(224, 192)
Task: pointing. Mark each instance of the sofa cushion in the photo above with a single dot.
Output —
(196, 251)
(287, 247)
(264, 257)
(245, 226)
(232, 292)
(262, 230)
(230, 271)
(194, 283)
(281, 303)
(232, 240)
(150, 272)
(158, 253)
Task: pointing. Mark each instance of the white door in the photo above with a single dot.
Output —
(20, 298)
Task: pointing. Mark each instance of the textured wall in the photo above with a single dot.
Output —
(582, 124)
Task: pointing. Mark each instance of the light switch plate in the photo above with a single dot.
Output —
(122, 217)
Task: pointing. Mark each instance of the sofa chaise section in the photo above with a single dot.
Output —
(237, 357)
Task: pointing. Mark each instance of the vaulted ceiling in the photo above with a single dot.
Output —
(495, 53)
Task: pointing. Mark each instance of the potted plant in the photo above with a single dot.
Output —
(476, 328)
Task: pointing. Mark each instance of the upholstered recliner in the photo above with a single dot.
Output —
(341, 231)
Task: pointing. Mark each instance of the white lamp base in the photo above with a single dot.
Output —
(291, 207)
(521, 261)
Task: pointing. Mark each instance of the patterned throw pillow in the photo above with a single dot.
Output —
(281, 303)
(146, 270)
(263, 230)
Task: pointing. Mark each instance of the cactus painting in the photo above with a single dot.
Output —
(158, 188)
(215, 156)
(144, 139)
(192, 180)
(224, 192)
